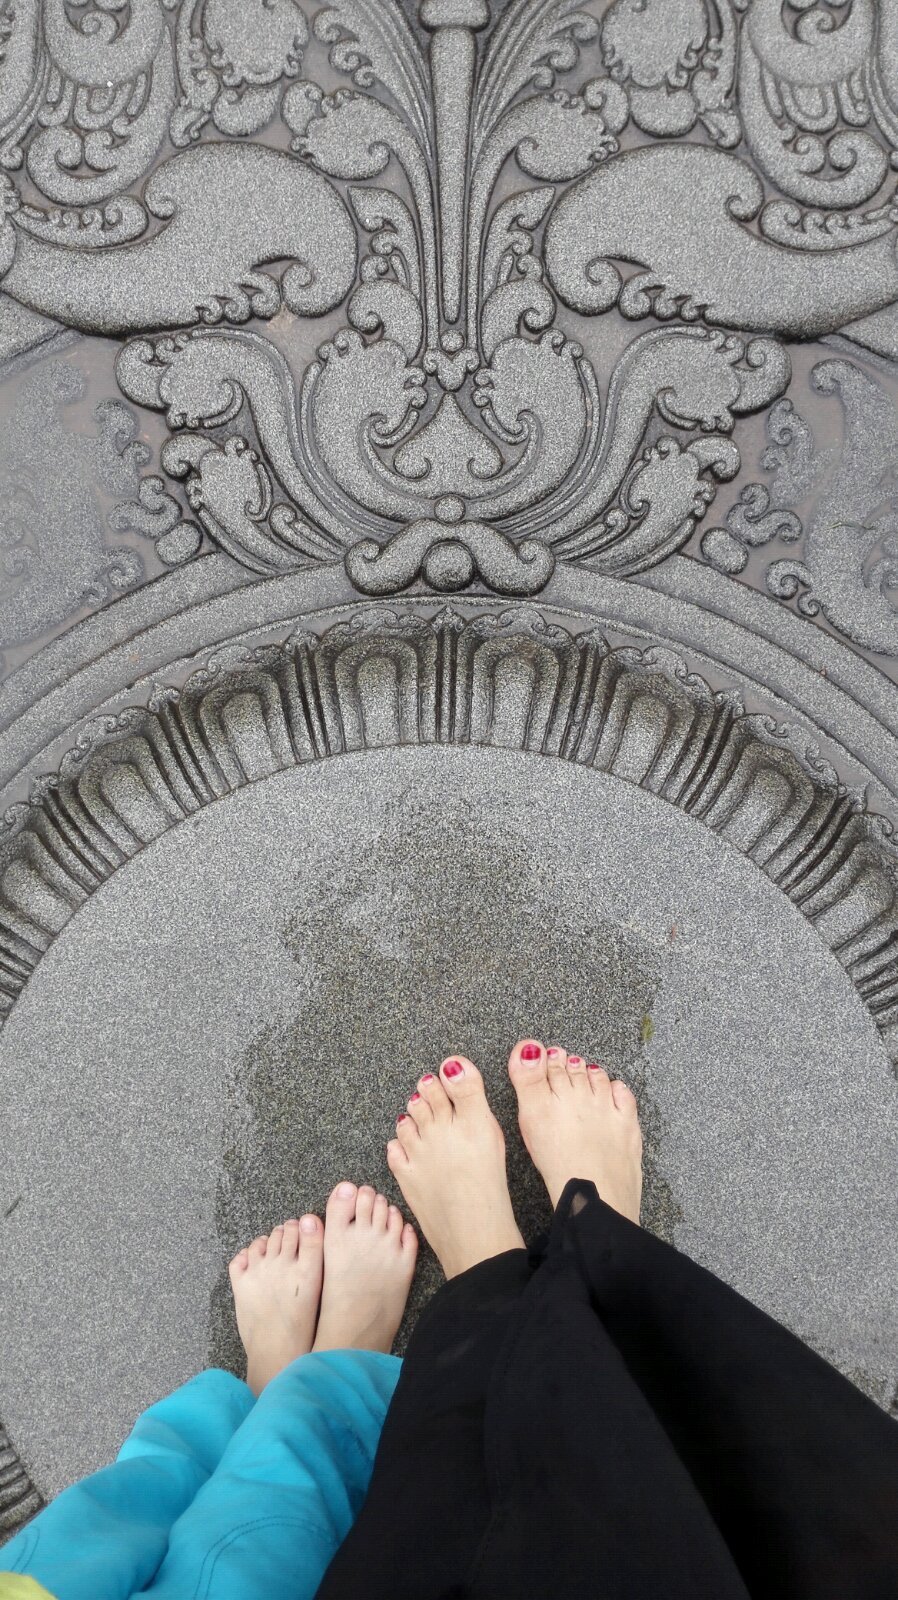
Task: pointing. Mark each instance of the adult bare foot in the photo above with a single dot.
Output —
(277, 1290)
(578, 1123)
(448, 1158)
(369, 1261)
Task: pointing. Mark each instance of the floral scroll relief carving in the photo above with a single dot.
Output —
(452, 429)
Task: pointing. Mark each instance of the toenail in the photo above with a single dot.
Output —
(593, 1067)
(453, 1069)
(345, 1190)
(553, 1052)
(575, 1061)
(427, 1078)
(415, 1096)
(309, 1225)
(530, 1052)
(402, 1117)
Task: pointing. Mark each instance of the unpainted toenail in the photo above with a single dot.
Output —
(309, 1225)
(453, 1069)
(345, 1191)
(530, 1052)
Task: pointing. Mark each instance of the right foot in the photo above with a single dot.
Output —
(369, 1262)
(448, 1158)
(578, 1123)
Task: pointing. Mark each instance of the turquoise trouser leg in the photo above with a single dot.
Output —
(215, 1497)
(107, 1535)
(288, 1487)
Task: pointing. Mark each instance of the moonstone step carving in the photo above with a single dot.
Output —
(510, 680)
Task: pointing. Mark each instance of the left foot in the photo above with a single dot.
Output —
(277, 1291)
(369, 1261)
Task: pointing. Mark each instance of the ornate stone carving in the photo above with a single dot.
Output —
(452, 430)
(512, 680)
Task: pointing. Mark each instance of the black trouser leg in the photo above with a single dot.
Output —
(798, 1468)
(428, 1505)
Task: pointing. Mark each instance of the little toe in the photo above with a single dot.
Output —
(394, 1222)
(290, 1239)
(461, 1081)
(623, 1097)
(409, 1241)
(341, 1205)
(527, 1066)
(397, 1159)
(380, 1213)
(364, 1205)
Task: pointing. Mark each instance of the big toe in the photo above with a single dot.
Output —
(527, 1067)
(462, 1082)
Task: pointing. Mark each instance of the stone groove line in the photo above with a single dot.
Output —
(19, 1499)
(387, 679)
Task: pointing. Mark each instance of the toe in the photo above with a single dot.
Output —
(599, 1080)
(527, 1066)
(311, 1246)
(239, 1263)
(341, 1205)
(290, 1239)
(364, 1205)
(432, 1092)
(407, 1131)
(394, 1222)
(380, 1213)
(258, 1248)
(397, 1160)
(419, 1109)
(409, 1241)
(275, 1240)
(623, 1098)
(461, 1081)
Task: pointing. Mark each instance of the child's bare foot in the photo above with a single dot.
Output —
(577, 1123)
(277, 1290)
(369, 1261)
(448, 1158)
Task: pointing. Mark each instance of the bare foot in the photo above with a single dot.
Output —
(369, 1261)
(448, 1158)
(277, 1290)
(578, 1123)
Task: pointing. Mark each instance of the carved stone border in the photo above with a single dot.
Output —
(386, 679)
(19, 1500)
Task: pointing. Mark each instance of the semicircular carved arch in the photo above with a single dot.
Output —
(385, 679)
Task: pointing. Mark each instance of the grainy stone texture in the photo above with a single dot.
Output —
(304, 311)
(233, 1021)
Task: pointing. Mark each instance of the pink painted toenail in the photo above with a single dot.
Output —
(427, 1078)
(575, 1061)
(402, 1117)
(453, 1069)
(530, 1052)
(415, 1096)
(553, 1052)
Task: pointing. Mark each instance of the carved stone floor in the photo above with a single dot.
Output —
(448, 561)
